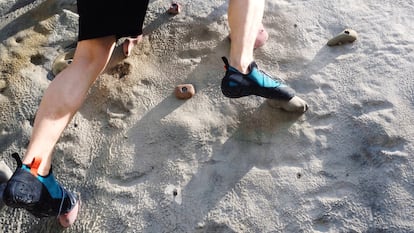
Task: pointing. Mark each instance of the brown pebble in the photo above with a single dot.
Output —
(184, 91)
(174, 9)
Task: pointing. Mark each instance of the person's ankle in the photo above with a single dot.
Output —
(243, 66)
(43, 171)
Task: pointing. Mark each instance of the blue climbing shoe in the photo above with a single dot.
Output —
(236, 84)
(42, 196)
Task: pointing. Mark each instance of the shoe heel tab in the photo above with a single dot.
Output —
(253, 65)
(226, 62)
(18, 160)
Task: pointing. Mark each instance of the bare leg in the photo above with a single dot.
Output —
(243, 78)
(244, 17)
(261, 37)
(64, 97)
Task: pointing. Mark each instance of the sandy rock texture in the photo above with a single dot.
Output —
(145, 161)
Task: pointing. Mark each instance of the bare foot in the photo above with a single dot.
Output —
(261, 38)
(129, 44)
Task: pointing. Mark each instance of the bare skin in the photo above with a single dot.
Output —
(245, 16)
(129, 44)
(68, 90)
(261, 37)
(63, 98)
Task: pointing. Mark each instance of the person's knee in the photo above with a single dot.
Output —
(94, 53)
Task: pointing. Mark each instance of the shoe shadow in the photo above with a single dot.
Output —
(47, 225)
(252, 145)
(304, 83)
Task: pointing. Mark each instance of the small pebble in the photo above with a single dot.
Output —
(184, 91)
(346, 36)
(174, 9)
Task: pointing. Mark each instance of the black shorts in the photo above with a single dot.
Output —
(120, 18)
